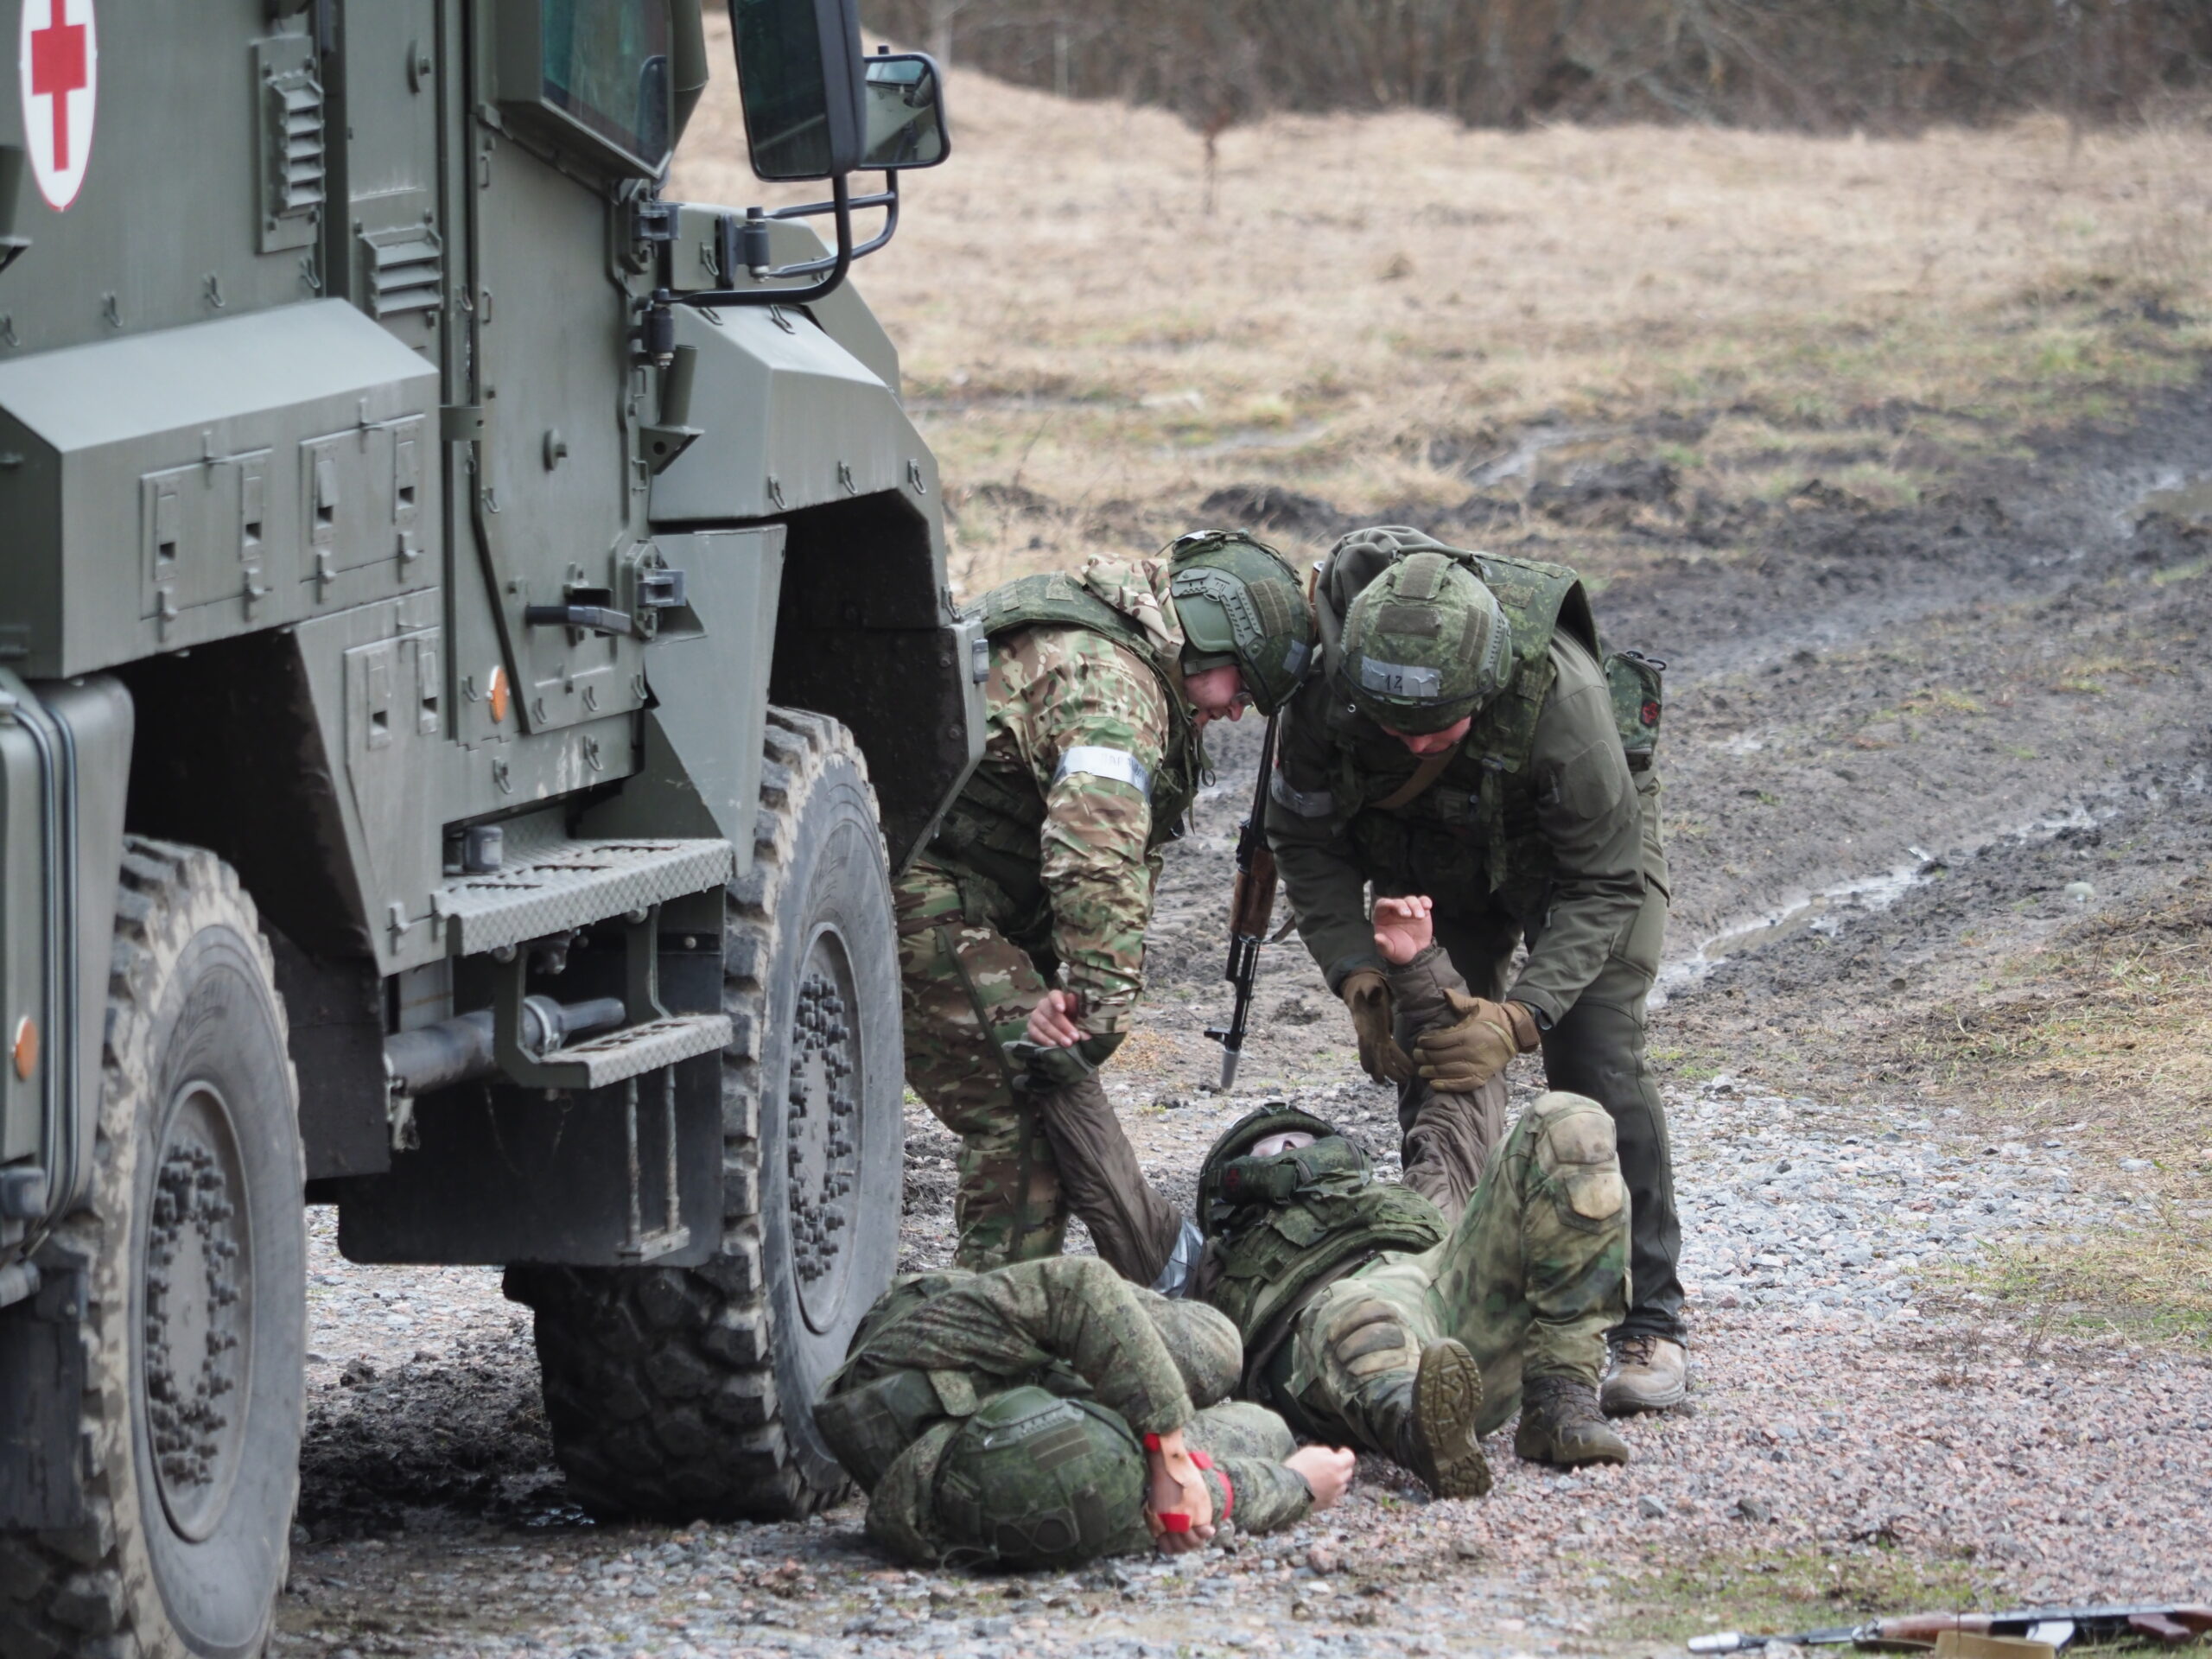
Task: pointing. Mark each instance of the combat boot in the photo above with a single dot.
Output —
(1649, 1373)
(1436, 1435)
(1560, 1424)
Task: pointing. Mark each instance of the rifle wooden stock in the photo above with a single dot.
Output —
(1252, 907)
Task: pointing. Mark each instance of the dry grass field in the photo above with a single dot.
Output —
(1380, 310)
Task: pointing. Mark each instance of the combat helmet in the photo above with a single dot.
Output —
(1034, 1479)
(1232, 1179)
(1240, 603)
(1424, 643)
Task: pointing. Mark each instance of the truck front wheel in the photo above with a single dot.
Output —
(195, 1331)
(688, 1393)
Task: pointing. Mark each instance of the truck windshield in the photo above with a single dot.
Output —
(606, 65)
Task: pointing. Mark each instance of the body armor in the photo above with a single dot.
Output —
(1485, 800)
(1279, 1229)
(994, 826)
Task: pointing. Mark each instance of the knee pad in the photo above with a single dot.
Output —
(1575, 1149)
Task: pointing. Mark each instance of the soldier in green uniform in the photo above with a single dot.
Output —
(1366, 1318)
(1022, 924)
(1467, 739)
(1049, 1412)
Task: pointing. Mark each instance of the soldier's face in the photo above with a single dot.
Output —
(1435, 742)
(1216, 693)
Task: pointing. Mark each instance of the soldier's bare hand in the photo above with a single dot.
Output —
(1175, 1487)
(1325, 1469)
(1403, 927)
(1052, 1022)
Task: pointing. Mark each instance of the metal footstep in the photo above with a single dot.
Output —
(637, 1049)
(559, 885)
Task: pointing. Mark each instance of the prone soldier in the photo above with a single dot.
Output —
(1466, 738)
(1022, 924)
(1047, 1413)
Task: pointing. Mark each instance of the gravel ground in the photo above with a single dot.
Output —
(1863, 1432)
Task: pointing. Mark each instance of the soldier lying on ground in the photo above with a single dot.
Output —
(1047, 1413)
(1022, 924)
(1366, 1318)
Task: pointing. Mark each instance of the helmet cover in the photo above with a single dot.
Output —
(1239, 602)
(1034, 1479)
(1425, 644)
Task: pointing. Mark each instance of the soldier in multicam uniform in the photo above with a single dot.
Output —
(1021, 926)
(1049, 1412)
(1467, 738)
(1366, 1318)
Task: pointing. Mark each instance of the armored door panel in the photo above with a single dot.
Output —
(202, 536)
(560, 495)
(396, 263)
(362, 510)
(393, 691)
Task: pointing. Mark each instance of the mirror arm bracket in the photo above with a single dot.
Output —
(887, 199)
(835, 266)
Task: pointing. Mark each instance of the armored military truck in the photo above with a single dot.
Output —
(474, 644)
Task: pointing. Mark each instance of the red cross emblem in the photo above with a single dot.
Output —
(58, 61)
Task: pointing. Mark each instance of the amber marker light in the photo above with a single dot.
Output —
(496, 694)
(24, 1049)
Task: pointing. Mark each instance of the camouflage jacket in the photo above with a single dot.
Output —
(936, 1345)
(1551, 824)
(1090, 760)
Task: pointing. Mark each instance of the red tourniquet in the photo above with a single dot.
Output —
(1175, 1520)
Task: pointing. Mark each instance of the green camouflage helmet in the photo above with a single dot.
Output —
(1239, 602)
(1033, 1480)
(1225, 1178)
(1425, 644)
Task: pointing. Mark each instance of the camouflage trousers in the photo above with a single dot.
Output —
(1530, 1279)
(1027, 1157)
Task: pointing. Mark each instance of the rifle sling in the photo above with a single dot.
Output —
(1430, 769)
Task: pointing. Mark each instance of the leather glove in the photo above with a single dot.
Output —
(1462, 1055)
(1367, 994)
(1047, 1066)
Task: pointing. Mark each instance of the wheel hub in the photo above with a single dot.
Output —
(198, 1314)
(822, 1135)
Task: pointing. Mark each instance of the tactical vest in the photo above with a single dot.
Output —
(1487, 796)
(1285, 1233)
(995, 825)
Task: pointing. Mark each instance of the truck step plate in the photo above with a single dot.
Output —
(640, 1049)
(559, 885)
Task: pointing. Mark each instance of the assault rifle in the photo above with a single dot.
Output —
(1250, 909)
(2056, 1625)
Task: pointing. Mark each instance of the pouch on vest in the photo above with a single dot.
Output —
(1633, 680)
(868, 1425)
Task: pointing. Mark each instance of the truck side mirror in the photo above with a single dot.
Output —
(904, 112)
(798, 76)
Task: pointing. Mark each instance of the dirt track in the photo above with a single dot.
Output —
(1897, 745)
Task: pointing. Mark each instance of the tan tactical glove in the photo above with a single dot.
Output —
(1468, 1053)
(1367, 993)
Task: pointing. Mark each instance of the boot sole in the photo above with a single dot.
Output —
(1544, 1450)
(1447, 1404)
(1623, 1402)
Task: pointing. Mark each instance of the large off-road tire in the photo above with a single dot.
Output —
(686, 1393)
(197, 1237)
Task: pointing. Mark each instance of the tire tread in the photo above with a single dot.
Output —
(642, 1404)
(60, 1587)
